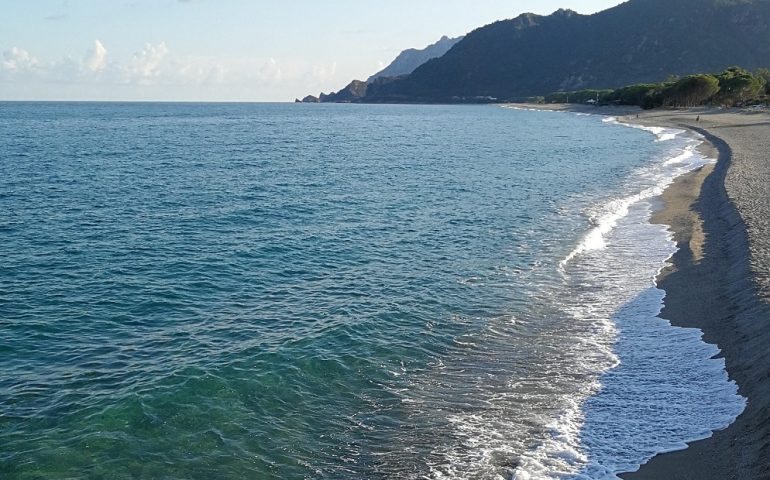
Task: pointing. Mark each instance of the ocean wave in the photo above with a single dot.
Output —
(662, 134)
(655, 178)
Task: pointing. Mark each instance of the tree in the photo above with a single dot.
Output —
(645, 95)
(734, 85)
(692, 90)
(602, 97)
(764, 74)
(738, 85)
(633, 94)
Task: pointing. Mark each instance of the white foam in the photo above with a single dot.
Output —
(550, 110)
(527, 109)
(662, 134)
(604, 218)
(606, 221)
(641, 403)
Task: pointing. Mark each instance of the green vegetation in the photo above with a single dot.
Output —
(733, 87)
(635, 42)
(580, 96)
(765, 74)
(737, 86)
(642, 94)
(692, 90)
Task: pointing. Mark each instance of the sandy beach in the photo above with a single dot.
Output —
(719, 280)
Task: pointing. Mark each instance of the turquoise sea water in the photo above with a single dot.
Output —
(337, 291)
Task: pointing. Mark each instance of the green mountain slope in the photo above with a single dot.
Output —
(638, 41)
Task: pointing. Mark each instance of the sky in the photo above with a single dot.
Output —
(224, 50)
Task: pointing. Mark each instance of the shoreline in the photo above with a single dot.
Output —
(710, 285)
(719, 279)
(718, 289)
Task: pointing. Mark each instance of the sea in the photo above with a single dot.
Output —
(259, 291)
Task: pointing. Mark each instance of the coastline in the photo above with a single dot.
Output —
(719, 279)
(722, 288)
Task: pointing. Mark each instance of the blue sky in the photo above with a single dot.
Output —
(223, 50)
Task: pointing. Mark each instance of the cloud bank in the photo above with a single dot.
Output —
(156, 65)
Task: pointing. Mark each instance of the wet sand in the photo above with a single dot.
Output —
(719, 280)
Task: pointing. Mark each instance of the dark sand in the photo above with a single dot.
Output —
(719, 280)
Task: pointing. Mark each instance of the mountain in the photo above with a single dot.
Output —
(404, 64)
(410, 59)
(637, 41)
(354, 92)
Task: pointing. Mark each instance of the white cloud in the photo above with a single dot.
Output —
(55, 16)
(96, 58)
(145, 64)
(157, 66)
(19, 65)
(324, 73)
(200, 72)
(270, 72)
(18, 60)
